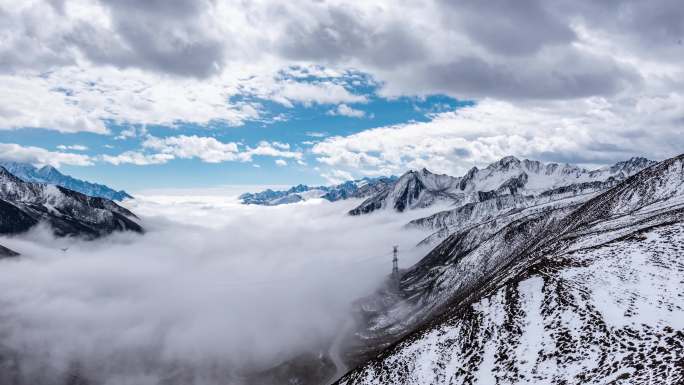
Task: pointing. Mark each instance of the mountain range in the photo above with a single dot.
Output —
(50, 175)
(533, 273)
(359, 188)
(581, 286)
(24, 205)
(509, 176)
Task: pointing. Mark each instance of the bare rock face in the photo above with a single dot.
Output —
(584, 293)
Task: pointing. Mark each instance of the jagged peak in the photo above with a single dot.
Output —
(636, 161)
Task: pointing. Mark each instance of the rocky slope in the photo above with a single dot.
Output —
(25, 204)
(507, 177)
(586, 293)
(50, 175)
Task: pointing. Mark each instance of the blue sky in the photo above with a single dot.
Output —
(299, 125)
(196, 93)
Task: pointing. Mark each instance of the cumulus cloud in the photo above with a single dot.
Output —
(345, 110)
(281, 162)
(290, 92)
(179, 37)
(137, 158)
(75, 147)
(58, 110)
(207, 149)
(212, 290)
(337, 176)
(269, 149)
(82, 100)
(40, 157)
(156, 150)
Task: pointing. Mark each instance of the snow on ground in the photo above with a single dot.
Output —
(590, 316)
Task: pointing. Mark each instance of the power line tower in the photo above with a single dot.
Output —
(395, 263)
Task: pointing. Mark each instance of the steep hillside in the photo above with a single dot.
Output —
(610, 314)
(464, 296)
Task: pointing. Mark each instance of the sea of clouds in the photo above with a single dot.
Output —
(213, 286)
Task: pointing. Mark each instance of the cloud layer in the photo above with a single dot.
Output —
(535, 49)
(212, 284)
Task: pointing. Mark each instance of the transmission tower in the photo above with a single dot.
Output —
(395, 263)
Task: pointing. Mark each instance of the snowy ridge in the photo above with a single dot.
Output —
(25, 204)
(508, 176)
(586, 293)
(50, 175)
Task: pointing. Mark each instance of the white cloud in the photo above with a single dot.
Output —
(316, 134)
(75, 147)
(345, 110)
(137, 158)
(289, 92)
(22, 94)
(282, 146)
(207, 149)
(156, 150)
(39, 156)
(268, 149)
(337, 176)
(132, 131)
(592, 131)
(281, 162)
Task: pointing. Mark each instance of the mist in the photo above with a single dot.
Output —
(213, 287)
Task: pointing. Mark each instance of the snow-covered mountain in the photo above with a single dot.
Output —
(585, 292)
(25, 204)
(359, 188)
(506, 177)
(50, 175)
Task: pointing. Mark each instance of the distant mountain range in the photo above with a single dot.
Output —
(359, 188)
(50, 175)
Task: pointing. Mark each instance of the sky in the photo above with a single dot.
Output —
(207, 93)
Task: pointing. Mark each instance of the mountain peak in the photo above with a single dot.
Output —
(505, 163)
(425, 171)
